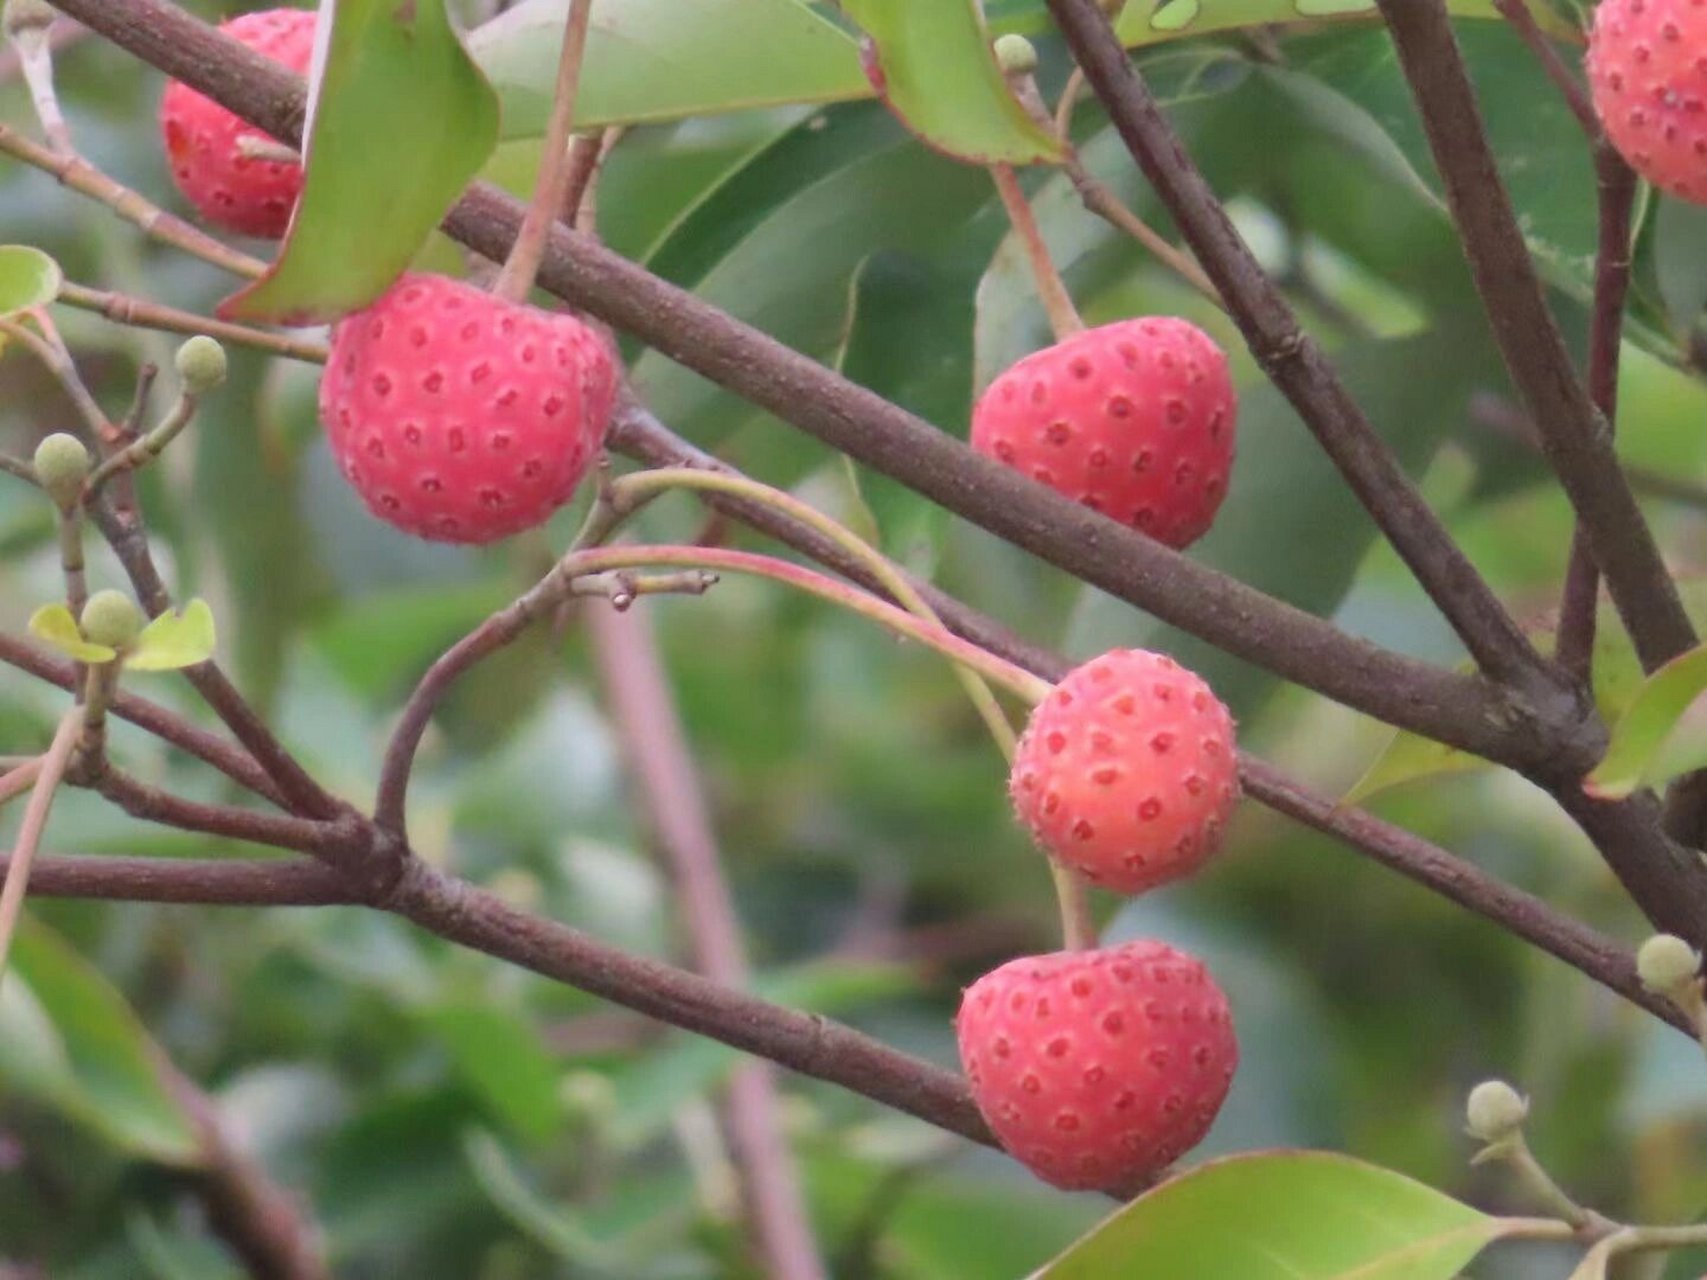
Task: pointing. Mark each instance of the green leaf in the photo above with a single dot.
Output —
(68, 1038)
(656, 60)
(402, 121)
(501, 1059)
(1150, 23)
(28, 279)
(1656, 738)
(1285, 1215)
(934, 68)
(1680, 261)
(53, 624)
(174, 640)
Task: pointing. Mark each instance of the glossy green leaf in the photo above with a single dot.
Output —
(53, 625)
(1151, 23)
(1680, 260)
(935, 70)
(655, 60)
(28, 279)
(69, 1039)
(499, 1056)
(402, 121)
(174, 640)
(1658, 737)
(1285, 1215)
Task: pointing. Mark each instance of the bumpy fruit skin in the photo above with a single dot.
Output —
(460, 417)
(1134, 419)
(1128, 771)
(1098, 1068)
(252, 197)
(1647, 69)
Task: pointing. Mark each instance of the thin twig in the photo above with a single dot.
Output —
(210, 882)
(556, 166)
(1517, 13)
(1580, 602)
(1292, 360)
(57, 361)
(19, 778)
(62, 35)
(77, 173)
(1520, 731)
(1574, 435)
(30, 829)
(672, 803)
(152, 315)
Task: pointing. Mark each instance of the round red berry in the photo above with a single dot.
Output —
(1096, 1069)
(1128, 771)
(1647, 68)
(460, 417)
(1134, 419)
(205, 142)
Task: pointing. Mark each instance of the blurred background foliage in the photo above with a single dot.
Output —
(446, 1116)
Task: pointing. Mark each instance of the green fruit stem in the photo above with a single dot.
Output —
(71, 564)
(139, 453)
(722, 560)
(1078, 928)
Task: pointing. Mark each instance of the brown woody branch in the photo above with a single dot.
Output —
(1292, 360)
(1465, 712)
(1574, 434)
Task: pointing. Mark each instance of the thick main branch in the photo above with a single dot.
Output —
(1466, 712)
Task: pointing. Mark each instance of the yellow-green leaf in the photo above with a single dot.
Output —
(53, 624)
(1657, 738)
(28, 279)
(1159, 20)
(175, 640)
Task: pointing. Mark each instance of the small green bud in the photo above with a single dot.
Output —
(62, 465)
(201, 364)
(1665, 963)
(1495, 1111)
(111, 618)
(1016, 55)
(23, 18)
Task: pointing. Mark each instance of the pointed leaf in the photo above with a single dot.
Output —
(653, 60)
(68, 1038)
(1653, 740)
(402, 122)
(1285, 1215)
(1151, 23)
(53, 624)
(28, 279)
(175, 640)
(932, 64)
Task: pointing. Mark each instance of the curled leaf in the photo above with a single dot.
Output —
(175, 640)
(28, 279)
(53, 625)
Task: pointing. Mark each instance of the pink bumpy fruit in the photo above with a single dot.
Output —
(1097, 1069)
(1128, 771)
(1647, 69)
(460, 417)
(1134, 419)
(205, 142)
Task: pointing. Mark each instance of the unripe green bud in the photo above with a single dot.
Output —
(111, 618)
(201, 364)
(1495, 1111)
(1016, 55)
(62, 465)
(1665, 963)
(26, 17)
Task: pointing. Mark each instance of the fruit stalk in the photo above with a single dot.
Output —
(1064, 317)
(555, 166)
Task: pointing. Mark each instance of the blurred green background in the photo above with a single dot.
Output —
(446, 1116)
